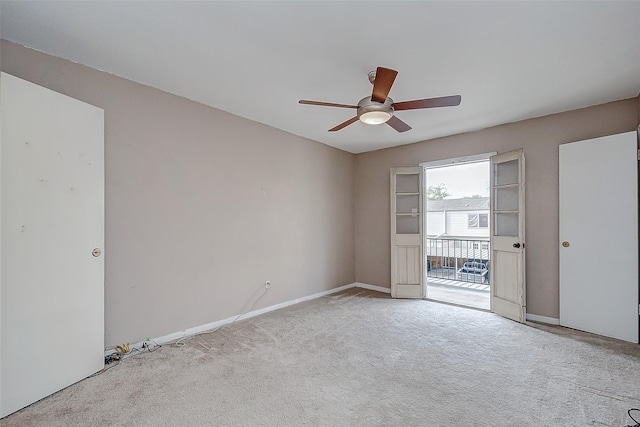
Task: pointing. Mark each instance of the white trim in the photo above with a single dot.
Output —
(373, 287)
(213, 325)
(474, 158)
(543, 319)
(209, 326)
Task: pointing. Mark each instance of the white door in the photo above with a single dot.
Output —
(51, 220)
(507, 236)
(407, 260)
(599, 236)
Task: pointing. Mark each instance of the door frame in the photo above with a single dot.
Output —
(432, 164)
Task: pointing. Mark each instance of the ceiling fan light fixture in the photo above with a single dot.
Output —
(374, 113)
(375, 117)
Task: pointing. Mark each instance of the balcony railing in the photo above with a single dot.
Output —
(463, 260)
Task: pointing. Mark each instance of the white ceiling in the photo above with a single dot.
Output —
(508, 60)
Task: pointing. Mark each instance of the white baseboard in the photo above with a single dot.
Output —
(543, 319)
(213, 325)
(373, 287)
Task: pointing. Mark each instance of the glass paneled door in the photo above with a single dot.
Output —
(507, 235)
(407, 260)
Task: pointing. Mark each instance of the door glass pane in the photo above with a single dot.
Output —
(506, 199)
(407, 183)
(506, 224)
(407, 204)
(506, 173)
(407, 224)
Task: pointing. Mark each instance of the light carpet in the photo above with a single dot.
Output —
(360, 358)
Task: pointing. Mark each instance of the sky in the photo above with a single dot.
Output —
(463, 180)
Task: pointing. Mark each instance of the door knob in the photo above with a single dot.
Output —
(516, 245)
(96, 252)
(565, 244)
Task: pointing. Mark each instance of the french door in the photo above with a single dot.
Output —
(508, 297)
(407, 223)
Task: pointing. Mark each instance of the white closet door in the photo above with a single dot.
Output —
(52, 235)
(599, 236)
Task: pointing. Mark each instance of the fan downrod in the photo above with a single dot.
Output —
(372, 76)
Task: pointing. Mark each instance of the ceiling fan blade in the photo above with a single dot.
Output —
(382, 84)
(344, 125)
(444, 101)
(325, 104)
(398, 124)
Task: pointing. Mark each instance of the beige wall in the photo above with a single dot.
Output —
(539, 138)
(202, 206)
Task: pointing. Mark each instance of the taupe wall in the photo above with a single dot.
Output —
(539, 138)
(202, 206)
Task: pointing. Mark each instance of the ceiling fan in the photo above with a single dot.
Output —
(379, 108)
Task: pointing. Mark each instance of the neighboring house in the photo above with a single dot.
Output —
(466, 218)
(457, 231)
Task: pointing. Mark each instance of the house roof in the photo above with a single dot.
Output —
(463, 204)
(509, 61)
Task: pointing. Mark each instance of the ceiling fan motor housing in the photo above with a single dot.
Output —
(374, 113)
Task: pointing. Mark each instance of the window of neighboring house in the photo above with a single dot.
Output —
(478, 220)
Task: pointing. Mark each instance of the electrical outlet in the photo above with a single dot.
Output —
(267, 284)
